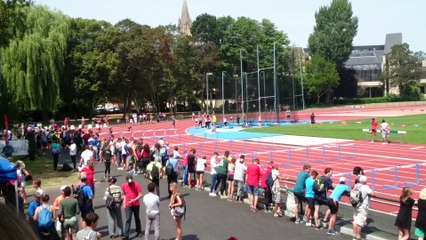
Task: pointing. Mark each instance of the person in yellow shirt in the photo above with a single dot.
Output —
(155, 172)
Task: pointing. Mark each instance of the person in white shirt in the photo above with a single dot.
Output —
(152, 206)
(176, 153)
(86, 155)
(360, 213)
(73, 153)
(385, 131)
(239, 176)
(213, 173)
(199, 170)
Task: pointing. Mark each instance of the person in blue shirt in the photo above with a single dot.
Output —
(34, 204)
(7, 150)
(88, 197)
(333, 203)
(309, 195)
(173, 177)
(299, 191)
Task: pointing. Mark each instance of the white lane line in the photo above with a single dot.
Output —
(415, 148)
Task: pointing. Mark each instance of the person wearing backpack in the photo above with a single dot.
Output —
(56, 151)
(333, 203)
(154, 174)
(276, 190)
(68, 210)
(176, 201)
(171, 171)
(321, 186)
(44, 216)
(165, 153)
(115, 220)
(84, 197)
(360, 211)
(266, 188)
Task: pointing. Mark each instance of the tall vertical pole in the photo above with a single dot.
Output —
(223, 94)
(207, 84)
(293, 71)
(275, 80)
(258, 81)
(247, 102)
(264, 91)
(241, 76)
(301, 78)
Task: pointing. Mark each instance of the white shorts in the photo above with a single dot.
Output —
(360, 216)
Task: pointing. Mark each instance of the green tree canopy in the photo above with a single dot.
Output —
(33, 60)
(321, 77)
(403, 69)
(334, 32)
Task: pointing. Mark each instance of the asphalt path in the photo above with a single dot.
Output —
(207, 218)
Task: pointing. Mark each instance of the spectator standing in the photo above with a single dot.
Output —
(276, 191)
(374, 126)
(309, 195)
(421, 216)
(56, 151)
(312, 117)
(32, 206)
(231, 174)
(68, 211)
(106, 156)
(115, 220)
(172, 176)
(266, 189)
(361, 212)
(87, 205)
(191, 168)
(239, 177)
(253, 175)
(88, 233)
(132, 193)
(333, 203)
(44, 215)
(199, 169)
(22, 174)
(73, 153)
(358, 172)
(403, 218)
(299, 191)
(89, 171)
(213, 173)
(152, 206)
(320, 195)
(176, 201)
(155, 173)
(222, 171)
(37, 187)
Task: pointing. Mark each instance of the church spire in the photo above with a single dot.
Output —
(185, 20)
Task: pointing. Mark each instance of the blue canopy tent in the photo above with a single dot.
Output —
(7, 173)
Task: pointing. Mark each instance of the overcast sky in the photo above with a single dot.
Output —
(293, 17)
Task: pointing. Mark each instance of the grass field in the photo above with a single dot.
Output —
(415, 125)
(42, 168)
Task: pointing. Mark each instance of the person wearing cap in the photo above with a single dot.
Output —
(339, 191)
(68, 211)
(360, 213)
(33, 205)
(115, 220)
(132, 193)
(239, 177)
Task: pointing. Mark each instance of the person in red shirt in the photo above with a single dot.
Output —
(253, 175)
(132, 193)
(374, 126)
(267, 190)
(90, 173)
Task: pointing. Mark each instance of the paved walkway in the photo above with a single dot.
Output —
(207, 218)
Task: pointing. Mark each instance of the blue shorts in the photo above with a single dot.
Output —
(253, 190)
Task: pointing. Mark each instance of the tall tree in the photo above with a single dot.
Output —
(403, 69)
(34, 58)
(334, 32)
(321, 77)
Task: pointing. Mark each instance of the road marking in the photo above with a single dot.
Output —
(415, 148)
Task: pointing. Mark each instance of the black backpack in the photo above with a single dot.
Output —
(155, 172)
(169, 169)
(79, 194)
(319, 186)
(269, 180)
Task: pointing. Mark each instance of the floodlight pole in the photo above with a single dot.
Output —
(301, 78)
(275, 80)
(258, 80)
(207, 84)
(223, 94)
(241, 76)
